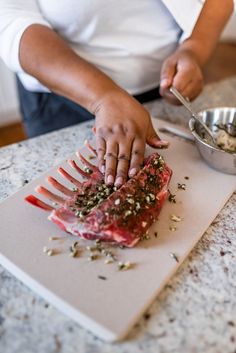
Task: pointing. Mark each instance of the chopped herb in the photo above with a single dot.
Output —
(48, 252)
(145, 237)
(102, 277)
(87, 170)
(171, 198)
(108, 261)
(175, 218)
(155, 234)
(181, 186)
(54, 238)
(123, 266)
(117, 202)
(172, 228)
(74, 249)
(186, 177)
(152, 196)
(92, 257)
(173, 255)
(130, 201)
(128, 213)
(73, 253)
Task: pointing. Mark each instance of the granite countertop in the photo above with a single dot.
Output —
(196, 311)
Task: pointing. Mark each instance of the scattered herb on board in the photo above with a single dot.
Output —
(181, 186)
(155, 234)
(54, 238)
(74, 249)
(174, 256)
(123, 266)
(172, 198)
(93, 257)
(172, 228)
(186, 178)
(145, 237)
(102, 277)
(175, 218)
(48, 252)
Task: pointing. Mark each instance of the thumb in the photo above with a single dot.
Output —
(154, 140)
(168, 72)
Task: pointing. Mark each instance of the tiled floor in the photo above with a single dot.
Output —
(222, 65)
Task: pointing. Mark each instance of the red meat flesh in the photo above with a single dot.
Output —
(122, 216)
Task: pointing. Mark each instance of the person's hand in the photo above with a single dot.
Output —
(122, 129)
(182, 71)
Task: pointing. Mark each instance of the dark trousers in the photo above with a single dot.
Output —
(46, 112)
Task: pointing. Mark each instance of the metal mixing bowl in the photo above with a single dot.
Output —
(215, 157)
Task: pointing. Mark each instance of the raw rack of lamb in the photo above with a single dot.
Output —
(94, 210)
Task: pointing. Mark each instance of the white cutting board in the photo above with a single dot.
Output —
(109, 308)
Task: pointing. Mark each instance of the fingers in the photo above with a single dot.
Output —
(181, 71)
(111, 162)
(188, 79)
(193, 89)
(137, 156)
(154, 140)
(123, 161)
(101, 150)
(168, 72)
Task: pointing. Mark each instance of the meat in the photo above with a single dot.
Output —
(97, 211)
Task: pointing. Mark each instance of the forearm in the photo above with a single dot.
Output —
(207, 30)
(46, 56)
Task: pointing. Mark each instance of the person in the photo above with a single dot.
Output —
(102, 59)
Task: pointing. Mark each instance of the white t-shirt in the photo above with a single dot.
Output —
(128, 40)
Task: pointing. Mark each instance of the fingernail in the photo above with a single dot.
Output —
(132, 172)
(110, 179)
(102, 169)
(163, 144)
(164, 82)
(119, 181)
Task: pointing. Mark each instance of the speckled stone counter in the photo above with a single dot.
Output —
(196, 312)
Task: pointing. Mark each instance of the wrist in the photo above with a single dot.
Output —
(194, 49)
(115, 96)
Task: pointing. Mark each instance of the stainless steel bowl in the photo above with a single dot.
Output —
(216, 158)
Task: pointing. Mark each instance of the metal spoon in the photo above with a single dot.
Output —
(187, 105)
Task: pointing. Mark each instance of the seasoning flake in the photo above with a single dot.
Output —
(181, 186)
(102, 277)
(175, 218)
(171, 198)
(174, 256)
(123, 266)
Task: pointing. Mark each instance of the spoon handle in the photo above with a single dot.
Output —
(183, 100)
(187, 105)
